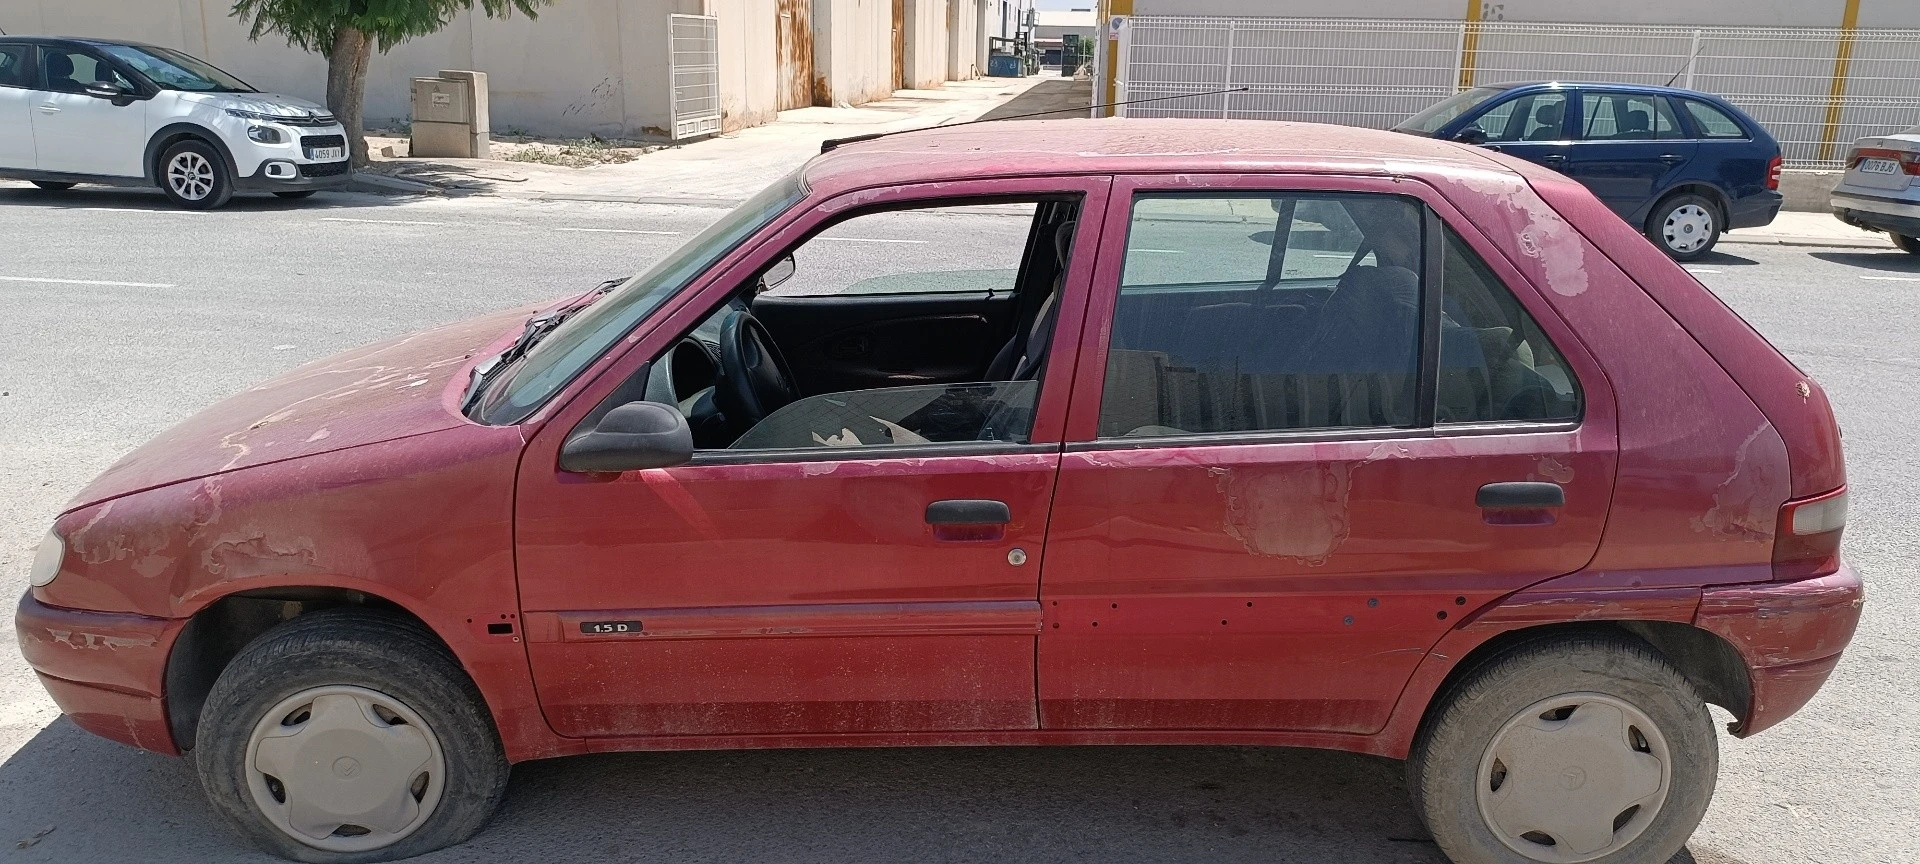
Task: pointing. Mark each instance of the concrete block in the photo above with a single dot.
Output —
(1807, 191)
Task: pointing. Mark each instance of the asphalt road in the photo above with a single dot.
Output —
(119, 317)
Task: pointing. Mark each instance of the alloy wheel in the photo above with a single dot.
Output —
(1574, 778)
(190, 176)
(344, 769)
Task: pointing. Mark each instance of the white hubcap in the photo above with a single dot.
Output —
(344, 769)
(190, 175)
(1688, 228)
(1573, 778)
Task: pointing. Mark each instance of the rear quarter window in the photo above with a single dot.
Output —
(1713, 122)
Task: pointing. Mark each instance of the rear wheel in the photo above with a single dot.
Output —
(194, 176)
(1578, 750)
(1684, 226)
(1909, 245)
(53, 185)
(348, 736)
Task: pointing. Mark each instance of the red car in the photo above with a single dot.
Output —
(1266, 434)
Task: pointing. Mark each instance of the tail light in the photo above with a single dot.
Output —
(1909, 162)
(1773, 173)
(1807, 542)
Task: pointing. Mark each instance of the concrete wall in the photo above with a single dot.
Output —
(749, 81)
(1753, 13)
(927, 43)
(964, 39)
(852, 51)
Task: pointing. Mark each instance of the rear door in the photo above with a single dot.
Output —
(1269, 529)
(16, 107)
(76, 133)
(1630, 147)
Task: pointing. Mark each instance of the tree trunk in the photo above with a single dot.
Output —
(347, 87)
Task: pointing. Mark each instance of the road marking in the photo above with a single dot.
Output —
(873, 240)
(378, 221)
(619, 231)
(1893, 278)
(139, 210)
(1700, 270)
(1162, 251)
(85, 282)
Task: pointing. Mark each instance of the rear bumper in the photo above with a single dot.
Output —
(106, 670)
(1790, 635)
(1755, 211)
(1877, 212)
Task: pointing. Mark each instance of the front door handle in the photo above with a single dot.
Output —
(1553, 157)
(1520, 496)
(969, 511)
(49, 109)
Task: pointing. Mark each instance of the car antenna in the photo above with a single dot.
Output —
(1695, 53)
(831, 144)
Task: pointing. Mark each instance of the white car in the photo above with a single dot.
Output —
(1881, 189)
(98, 111)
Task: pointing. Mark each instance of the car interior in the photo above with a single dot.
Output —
(1326, 336)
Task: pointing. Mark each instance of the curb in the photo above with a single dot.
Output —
(687, 201)
(364, 181)
(1795, 240)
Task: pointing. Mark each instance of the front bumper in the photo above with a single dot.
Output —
(305, 175)
(106, 670)
(1790, 635)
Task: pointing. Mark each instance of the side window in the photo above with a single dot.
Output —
(907, 252)
(1535, 117)
(1713, 122)
(65, 71)
(1495, 364)
(13, 66)
(1627, 117)
(1232, 343)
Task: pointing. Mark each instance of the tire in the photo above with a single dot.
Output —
(54, 185)
(361, 664)
(1685, 226)
(1909, 245)
(194, 176)
(297, 194)
(1455, 771)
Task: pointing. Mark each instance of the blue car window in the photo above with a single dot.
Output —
(1627, 117)
(1713, 122)
(1534, 117)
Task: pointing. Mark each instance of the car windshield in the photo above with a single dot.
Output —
(585, 336)
(176, 71)
(1431, 120)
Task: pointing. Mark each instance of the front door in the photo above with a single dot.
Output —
(80, 134)
(1272, 502)
(16, 107)
(828, 570)
(1532, 126)
(1630, 147)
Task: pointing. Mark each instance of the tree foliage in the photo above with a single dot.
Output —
(314, 24)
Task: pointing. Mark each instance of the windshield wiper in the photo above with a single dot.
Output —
(535, 330)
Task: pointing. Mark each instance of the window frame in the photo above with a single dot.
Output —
(1699, 130)
(607, 376)
(1682, 132)
(1090, 379)
(1568, 98)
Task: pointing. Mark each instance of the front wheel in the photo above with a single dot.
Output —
(1909, 245)
(1684, 226)
(347, 736)
(53, 185)
(194, 176)
(1578, 750)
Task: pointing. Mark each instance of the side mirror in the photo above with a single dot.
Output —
(114, 93)
(1471, 135)
(779, 273)
(631, 437)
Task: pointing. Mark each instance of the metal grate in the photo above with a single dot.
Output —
(1375, 73)
(695, 69)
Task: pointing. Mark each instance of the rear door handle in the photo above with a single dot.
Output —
(1673, 158)
(1553, 157)
(49, 109)
(1520, 496)
(969, 511)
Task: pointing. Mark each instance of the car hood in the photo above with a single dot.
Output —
(270, 103)
(393, 389)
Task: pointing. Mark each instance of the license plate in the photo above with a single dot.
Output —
(327, 154)
(1879, 166)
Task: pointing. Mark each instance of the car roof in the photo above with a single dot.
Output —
(1136, 145)
(73, 40)
(1610, 85)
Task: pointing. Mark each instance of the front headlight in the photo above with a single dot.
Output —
(265, 134)
(46, 562)
(254, 115)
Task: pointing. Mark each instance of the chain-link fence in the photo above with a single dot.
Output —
(1814, 89)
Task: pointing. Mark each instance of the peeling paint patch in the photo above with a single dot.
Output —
(96, 641)
(1554, 470)
(1298, 512)
(232, 552)
(1744, 505)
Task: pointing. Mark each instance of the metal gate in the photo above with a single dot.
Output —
(695, 69)
(1816, 90)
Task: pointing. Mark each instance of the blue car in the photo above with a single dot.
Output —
(1682, 166)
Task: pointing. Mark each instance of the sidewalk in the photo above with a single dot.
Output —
(1809, 229)
(718, 171)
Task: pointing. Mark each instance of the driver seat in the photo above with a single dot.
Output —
(1020, 359)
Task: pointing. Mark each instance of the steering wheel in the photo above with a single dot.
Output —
(754, 379)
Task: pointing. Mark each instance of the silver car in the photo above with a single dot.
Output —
(1881, 191)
